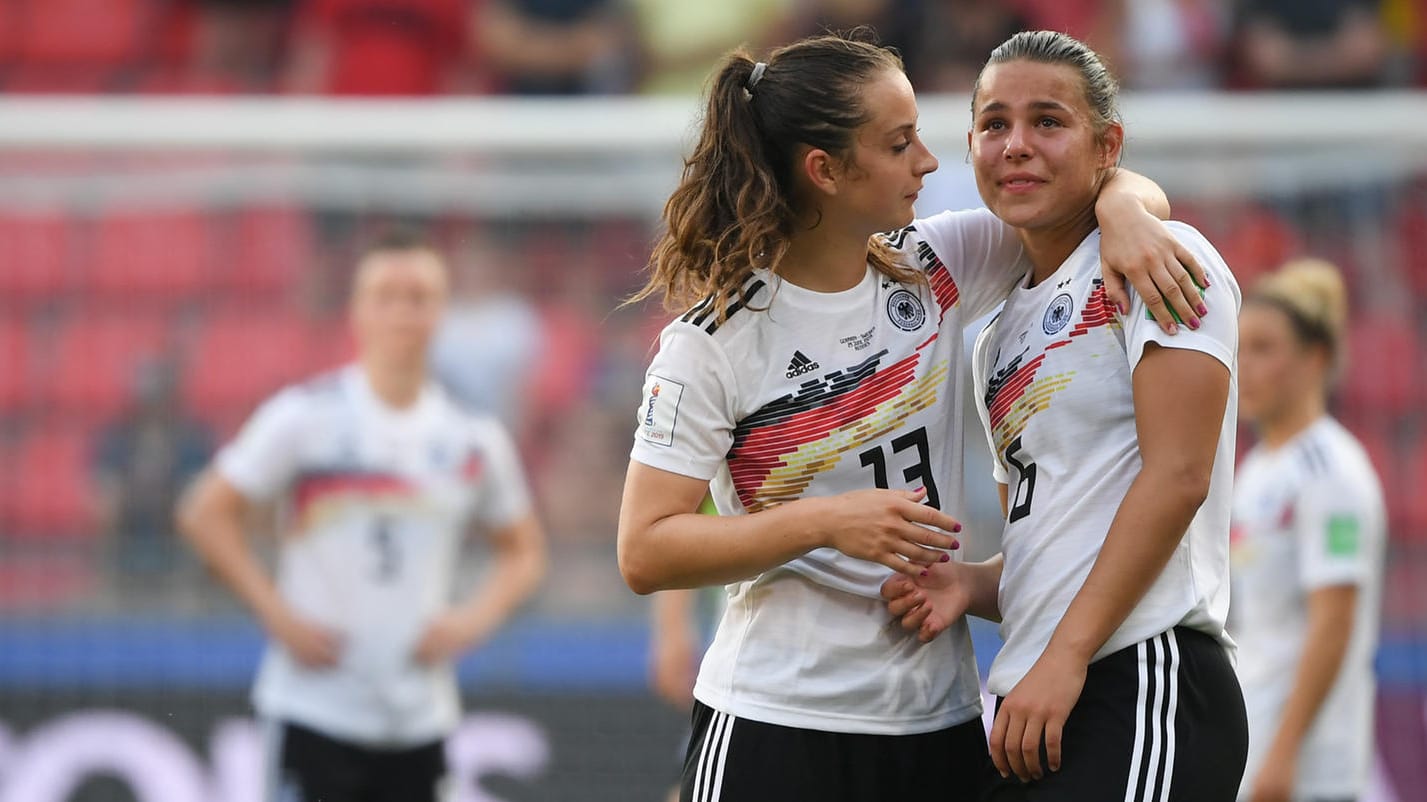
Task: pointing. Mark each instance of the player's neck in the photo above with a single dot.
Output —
(825, 259)
(1048, 248)
(396, 385)
(1281, 429)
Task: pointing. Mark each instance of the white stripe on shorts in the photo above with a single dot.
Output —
(1154, 751)
(1170, 715)
(1132, 785)
(708, 780)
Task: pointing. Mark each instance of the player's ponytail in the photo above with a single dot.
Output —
(732, 211)
(1311, 294)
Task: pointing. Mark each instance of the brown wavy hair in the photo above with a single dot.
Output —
(732, 211)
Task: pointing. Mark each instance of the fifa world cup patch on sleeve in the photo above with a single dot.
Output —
(1343, 535)
(659, 414)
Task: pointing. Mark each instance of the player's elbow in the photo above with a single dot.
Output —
(639, 571)
(1183, 481)
(637, 574)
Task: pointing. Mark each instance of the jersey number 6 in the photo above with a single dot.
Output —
(1025, 483)
(919, 474)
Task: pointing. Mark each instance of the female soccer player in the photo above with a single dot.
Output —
(1307, 549)
(813, 390)
(382, 475)
(1114, 457)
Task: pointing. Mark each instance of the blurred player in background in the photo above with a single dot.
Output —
(1309, 534)
(1114, 458)
(381, 474)
(811, 390)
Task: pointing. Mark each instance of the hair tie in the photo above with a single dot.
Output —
(755, 76)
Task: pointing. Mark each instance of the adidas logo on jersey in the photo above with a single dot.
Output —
(800, 364)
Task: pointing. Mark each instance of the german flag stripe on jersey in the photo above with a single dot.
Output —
(779, 450)
(1015, 393)
(316, 489)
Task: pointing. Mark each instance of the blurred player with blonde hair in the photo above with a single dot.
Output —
(1308, 535)
(380, 474)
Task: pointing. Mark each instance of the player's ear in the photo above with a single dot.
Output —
(822, 171)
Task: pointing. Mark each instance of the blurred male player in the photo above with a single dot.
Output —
(379, 473)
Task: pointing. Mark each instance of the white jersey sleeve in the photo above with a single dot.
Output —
(980, 378)
(982, 253)
(505, 498)
(686, 414)
(1218, 335)
(263, 459)
(1331, 521)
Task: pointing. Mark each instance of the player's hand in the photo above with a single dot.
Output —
(1166, 275)
(310, 644)
(673, 662)
(1274, 782)
(1034, 713)
(889, 527)
(447, 636)
(928, 604)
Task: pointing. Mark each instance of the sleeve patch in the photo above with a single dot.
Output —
(659, 414)
(1343, 536)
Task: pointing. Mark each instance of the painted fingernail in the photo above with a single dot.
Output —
(1202, 310)
(955, 544)
(926, 573)
(1206, 281)
(956, 528)
(945, 558)
(1194, 323)
(1173, 329)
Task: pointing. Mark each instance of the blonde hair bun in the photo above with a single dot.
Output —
(1314, 288)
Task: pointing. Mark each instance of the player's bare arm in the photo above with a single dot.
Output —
(520, 561)
(1330, 627)
(210, 516)
(664, 543)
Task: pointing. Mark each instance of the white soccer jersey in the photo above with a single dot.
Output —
(816, 395)
(1053, 372)
(1308, 515)
(377, 502)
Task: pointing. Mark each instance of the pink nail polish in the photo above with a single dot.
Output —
(1194, 323)
(926, 573)
(956, 528)
(1202, 310)
(945, 558)
(956, 545)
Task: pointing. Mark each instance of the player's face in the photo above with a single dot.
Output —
(397, 303)
(1034, 148)
(1274, 367)
(888, 159)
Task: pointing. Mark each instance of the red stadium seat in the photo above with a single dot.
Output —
(15, 364)
(240, 357)
(58, 81)
(9, 33)
(1383, 366)
(101, 32)
(95, 361)
(52, 487)
(152, 256)
(34, 256)
(273, 247)
(1414, 500)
